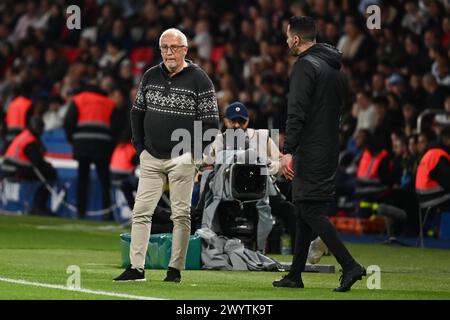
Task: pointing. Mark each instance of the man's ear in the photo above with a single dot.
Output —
(299, 40)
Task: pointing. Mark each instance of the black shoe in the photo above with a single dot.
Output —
(288, 283)
(173, 275)
(348, 278)
(131, 275)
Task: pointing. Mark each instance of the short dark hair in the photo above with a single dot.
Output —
(304, 27)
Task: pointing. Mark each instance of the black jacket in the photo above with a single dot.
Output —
(316, 97)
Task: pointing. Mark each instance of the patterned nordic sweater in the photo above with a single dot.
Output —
(164, 104)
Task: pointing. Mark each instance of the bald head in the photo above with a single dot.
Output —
(173, 32)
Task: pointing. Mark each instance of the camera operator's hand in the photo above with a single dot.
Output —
(286, 166)
(199, 174)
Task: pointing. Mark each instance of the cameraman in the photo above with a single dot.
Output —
(236, 118)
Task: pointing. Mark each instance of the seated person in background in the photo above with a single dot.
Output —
(123, 164)
(444, 119)
(433, 173)
(54, 116)
(373, 176)
(24, 159)
(378, 181)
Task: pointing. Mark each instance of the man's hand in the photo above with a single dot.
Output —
(286, 166)
(199, 174)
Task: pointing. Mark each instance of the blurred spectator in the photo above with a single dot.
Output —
(378, 85)
(384, 123)
(352, 44)
(55, 66)
(413, 151)
(110, 61)
(396, 85)
(444, 119)
(414, 19)
(417, 93)
(364, 111)
(54, 117)
(416, 60)
(409, 111)
(203, 40)
(28, 20)
(443, 74)
(436, 94)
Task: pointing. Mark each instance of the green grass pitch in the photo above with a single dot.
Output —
(39, 250)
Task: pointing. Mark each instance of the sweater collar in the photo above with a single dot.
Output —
(166, 74)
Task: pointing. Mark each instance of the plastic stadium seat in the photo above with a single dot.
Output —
(140, 57)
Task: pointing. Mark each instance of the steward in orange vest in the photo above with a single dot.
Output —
(90, 127)
(26, 152)
(88, 123)
(433, 173)
(373, 170)
(19, 111)
(24, 156)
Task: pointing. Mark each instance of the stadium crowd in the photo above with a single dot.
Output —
(394, 73)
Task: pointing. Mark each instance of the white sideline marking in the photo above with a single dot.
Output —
(60, 287)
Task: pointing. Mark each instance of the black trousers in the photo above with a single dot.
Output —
(103, 173)
(127, 183)
(285, 211)
(312, 221)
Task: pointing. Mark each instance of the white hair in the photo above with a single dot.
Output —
(176, 32)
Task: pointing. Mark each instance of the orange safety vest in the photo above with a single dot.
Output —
(122, 157)
(424, 184)
(94, 112)
(16, 113)
(16, 150)
(369, 164)
(368, 175)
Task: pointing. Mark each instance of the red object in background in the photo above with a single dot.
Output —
(217, 53)
(291, 165)
(71, 54)
(341, 213)
(8, 62)
(58, 155)
(140, 57)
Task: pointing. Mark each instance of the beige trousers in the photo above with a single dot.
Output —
(155, 172)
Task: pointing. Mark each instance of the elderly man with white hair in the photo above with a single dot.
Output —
(172, 95)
